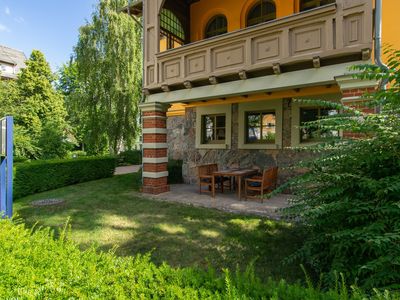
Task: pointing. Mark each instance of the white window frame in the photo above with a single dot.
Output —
(214, 110)
(295, 126)
(267, 105)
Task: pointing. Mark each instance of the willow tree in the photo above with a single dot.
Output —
(108, 57)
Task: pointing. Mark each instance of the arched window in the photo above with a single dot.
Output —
(172, 32)
(310, 4)
(216, 26)
(262, 11)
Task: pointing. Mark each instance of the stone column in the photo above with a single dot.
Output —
(353, 90)
(155, 148)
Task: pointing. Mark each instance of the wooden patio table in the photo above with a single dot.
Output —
(236, 173)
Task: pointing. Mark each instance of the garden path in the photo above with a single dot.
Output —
(127, 169)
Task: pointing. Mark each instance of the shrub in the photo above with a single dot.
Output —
(44, 175)
(175, 171)
(130, 157)
(34, 265)
(350, 196)
(76, 154)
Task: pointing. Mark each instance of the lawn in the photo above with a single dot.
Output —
(110, 212)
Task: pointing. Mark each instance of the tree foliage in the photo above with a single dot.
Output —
(108, 62)
(350, 196)
(34, 102)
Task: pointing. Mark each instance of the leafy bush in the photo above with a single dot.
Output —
(34, 265)
(76, 154)
(44, 175)
(175, 171)
(130, 157)
(350, 196)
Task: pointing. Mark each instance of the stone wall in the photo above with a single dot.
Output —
(181, 141)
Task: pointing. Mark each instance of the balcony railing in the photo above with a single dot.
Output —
(337, 32)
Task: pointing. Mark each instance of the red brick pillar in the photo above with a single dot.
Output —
(353, 92)
(155, 148)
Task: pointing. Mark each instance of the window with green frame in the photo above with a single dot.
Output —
(213, 129)
(261, 127)
(262, 11)
(310, 4)
(216, 26)
(171, 29)
(313, 133)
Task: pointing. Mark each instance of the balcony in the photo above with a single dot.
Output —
(331, 34)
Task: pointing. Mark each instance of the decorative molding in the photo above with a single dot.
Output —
(155, 160)
(155, 146)
(165, 88)
(188, 84)
(317, 62)
(153, 106)
(154, 130)
(350, 82)
(265, 84)
(277, 69)
(213, 80)
(155, 174)
(242, 75)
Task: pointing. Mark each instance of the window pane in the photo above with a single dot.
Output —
(210, 134)
(220, 121)
(328, 133)
(263, 11)
(213, 129)
(254, 134)
(310, 4)
(217, 25)
(171, 27)
(209, 122)
(269, 127)
(254, 120)
(261, 127)
(314, 133)
(308, 115)
(221, 134)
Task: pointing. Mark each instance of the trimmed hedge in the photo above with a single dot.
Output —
(175, 171)
(43, 175)
(36, 266)
(130, 157)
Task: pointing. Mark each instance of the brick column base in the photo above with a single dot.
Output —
(353, 91)
(155, 148)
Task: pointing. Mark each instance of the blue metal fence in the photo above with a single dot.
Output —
(6, 166)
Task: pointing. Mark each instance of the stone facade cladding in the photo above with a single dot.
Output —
(181, 142)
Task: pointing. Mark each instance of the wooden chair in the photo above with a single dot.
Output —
(207, 179)
(261, 185)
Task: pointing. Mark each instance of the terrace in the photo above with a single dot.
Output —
(187, 47)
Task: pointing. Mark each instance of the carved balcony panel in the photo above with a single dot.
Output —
(338, 32)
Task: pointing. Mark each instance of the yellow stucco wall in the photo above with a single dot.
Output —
(178, 109)
(390, 24)
(235, 12)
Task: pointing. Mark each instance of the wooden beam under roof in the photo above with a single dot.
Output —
(134, 8)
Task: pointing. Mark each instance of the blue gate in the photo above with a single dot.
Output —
(6, 167)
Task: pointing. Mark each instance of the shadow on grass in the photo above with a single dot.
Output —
(109, 212)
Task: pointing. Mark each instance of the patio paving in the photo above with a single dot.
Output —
(127, 169)
(188, 194)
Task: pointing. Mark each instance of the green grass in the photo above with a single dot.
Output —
(110, 212)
